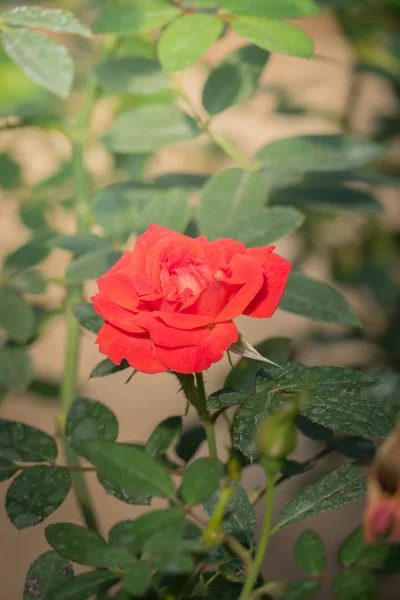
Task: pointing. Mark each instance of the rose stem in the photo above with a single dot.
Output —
(208, 424)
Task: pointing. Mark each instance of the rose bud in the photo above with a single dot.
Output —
(382, 513)
(170, 303)
(277, 435)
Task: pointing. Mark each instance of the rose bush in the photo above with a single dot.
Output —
(169, 303)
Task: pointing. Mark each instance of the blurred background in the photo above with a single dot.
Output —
(352, 85)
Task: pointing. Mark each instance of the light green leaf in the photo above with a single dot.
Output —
(336, 200)
(300, 589)
(124, 494)
(36, 493)
(82, 587)
(137, 578)
(10, 172)
(239, 517)
(318, 153)
(272, 9)
(155, 126)
(266, 226)
(16, 367)
(316, 300)
(89, 420)
(134, 18)
(274, 36)
(30, 254)
(336, 489)
(168, 209)
(164, 436)
(201, 479)
(81, 243)
(187, 39)
(91, 265)
(40, 58)
(226, 197)
(32, 282)
(25, 444)
(50, 19)
(16, 317)
(130, 467)
(46, 572)
(132, 75)
(310, 553)
(355, 584)
(117, 213)
(86, 316)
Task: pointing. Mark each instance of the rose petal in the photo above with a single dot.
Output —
(147, 240)
(183, 321)
(193, 359)
(230, 248)
(116, 315)
(249, 270)
(171, 337)
(276, 272)
(120, 289)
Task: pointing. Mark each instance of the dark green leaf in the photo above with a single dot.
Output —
(16, 317)
(201, 479)
(188, 181)
(137, 578)
(123, 493)
(89, 420)
(131, 19)
(132, 74)
(46, 388)
(7, 468)
(312, 430)
(190, 441)
(299, 589)
(33, 215)
(316, 300)
(45, 573)
(239, 518)
(131, 535)
(82, 587)
(310, 553)
(51, 19)
(354, 585)
(30, 254)
(26, 444)
(353, 551)
(187, 39)
(337, 199)
(130, 467)
(321, 153)
(32, 282)
(266, 226)
(35, 494)
(156, 125)
(10, 172)
(273, 9)
(291, 468)
(50, 65)
(164, 436)
(356, 447)
(86, 316)
(340, 487)
(107, 367)
(81, 243)
(91, 265)
(274, 36)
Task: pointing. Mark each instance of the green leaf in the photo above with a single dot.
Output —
(356, 447)
(30, 254)
(86, 316)
(131, 19)
(164, 436)
(299, 589)
(89, 420)
(130, 467)
(132, 75)
(32, 282)
(123, 493)
(117, 213)
(36, 493)
(131, 535)
(266, 226)
(155, 126)
(187, 39)
(170, 209)
(242, 375)
(82, 587)
(50, 19)
(137, 578)
(336, 489)
(201, 479)
(355, 584)
(174, 563)
(107, 367)
(187, 181)
(274, 36)
(81, 243)
(10, 172)
(16, 317)
(16, 368)
(309, 552)
(336, 200)
(46, 572)
(313, 431)
(353, 551)
(7, 468)
(46, 388)
(239, 518)
(318, 153)
(227, 196)
(316, 300)
(26, 444)
(273, 9)
(91, 265)
(44, 61)
(189, 442)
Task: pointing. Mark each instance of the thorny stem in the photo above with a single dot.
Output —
(208, 424)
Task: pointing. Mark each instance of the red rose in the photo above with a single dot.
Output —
(169, 304)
